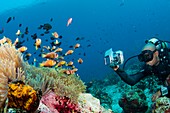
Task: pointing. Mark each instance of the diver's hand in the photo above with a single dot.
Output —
(114, 67)
(156, 96)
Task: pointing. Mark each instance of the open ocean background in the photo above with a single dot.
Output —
(103, 24)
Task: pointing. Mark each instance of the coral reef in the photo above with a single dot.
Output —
(62, 84)
(90, 104)
(57, 104)
(25, 87)
(162, 105)
(134, 101)
(52, 103)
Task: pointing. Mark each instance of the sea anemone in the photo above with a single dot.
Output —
(10, 68)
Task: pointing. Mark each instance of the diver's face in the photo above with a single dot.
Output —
(155, 60)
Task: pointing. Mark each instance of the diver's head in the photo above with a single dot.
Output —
(149, 55)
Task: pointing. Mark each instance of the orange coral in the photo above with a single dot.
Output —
(22, 96)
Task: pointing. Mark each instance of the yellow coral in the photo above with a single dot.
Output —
(21, 96)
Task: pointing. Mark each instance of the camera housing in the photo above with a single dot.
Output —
(113, 58)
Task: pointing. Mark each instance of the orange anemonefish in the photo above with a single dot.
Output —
(68, 72)
(77, 46)
(70, 63)
(58, 50)
(80, 61)
(48, 63)
(69, 21)
(22, 49)
(69, 52)
(50, 55)
(55, 35)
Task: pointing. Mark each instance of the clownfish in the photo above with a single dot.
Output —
(69, 52)
(80, 61)
(50, 55)
(47, 63)
(55, 35)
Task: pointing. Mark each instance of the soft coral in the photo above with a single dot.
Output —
(59, 104)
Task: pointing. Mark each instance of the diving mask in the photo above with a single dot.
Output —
(146, 55)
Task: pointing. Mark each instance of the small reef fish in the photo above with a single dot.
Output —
(55, 35)
(54, 47)
(9, 19)
(70, 63)
(58, 50)
(46, 27)
(51, 55)
(18, 32)
(75, 69)
(51, 19)
(22, 49)
(48, 63)
(68, 72)
(37, 43)
(61, 63)
(2, 30)
(77, 46)
(26, 30)
(56, 43)
(16, 42)
(69, 21)
(27, 56)
(69, 52)
(80, 61)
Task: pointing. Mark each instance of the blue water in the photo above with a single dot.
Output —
(120, 24)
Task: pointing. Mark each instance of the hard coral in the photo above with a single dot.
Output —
(22, 96)
(161, 105)
(134, 102)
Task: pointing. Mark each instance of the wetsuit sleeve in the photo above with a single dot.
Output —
(131, 79)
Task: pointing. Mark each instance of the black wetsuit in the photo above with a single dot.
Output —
(162, 71)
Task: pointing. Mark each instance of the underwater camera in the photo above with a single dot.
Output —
(113, 58)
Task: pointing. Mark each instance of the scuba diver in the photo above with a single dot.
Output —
(155, 56)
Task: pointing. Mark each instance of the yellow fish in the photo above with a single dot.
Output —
(22, 49)
(61, 63)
